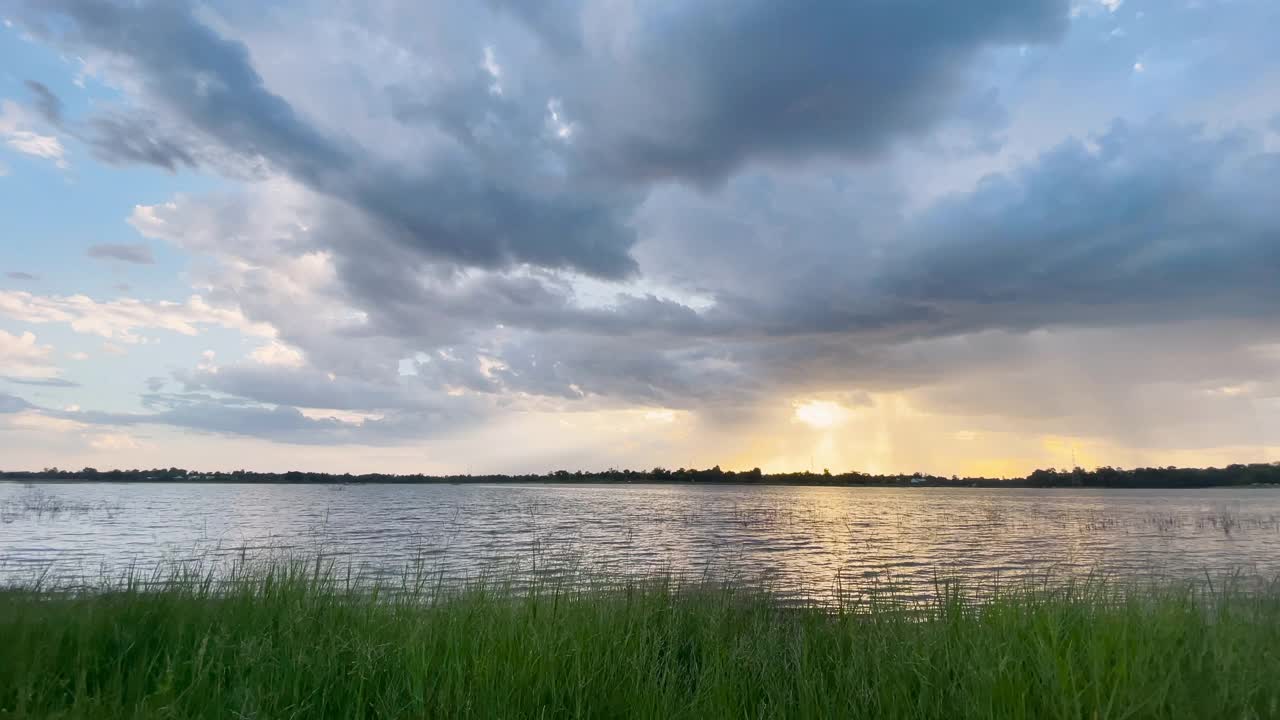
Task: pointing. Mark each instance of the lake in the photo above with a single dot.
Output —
(798, 540)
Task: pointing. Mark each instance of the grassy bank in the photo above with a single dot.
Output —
(287, 643)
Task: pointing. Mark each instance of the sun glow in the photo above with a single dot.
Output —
(820, 414)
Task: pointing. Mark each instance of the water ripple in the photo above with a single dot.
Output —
(797, 539)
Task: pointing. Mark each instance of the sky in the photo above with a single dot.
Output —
(508, 236)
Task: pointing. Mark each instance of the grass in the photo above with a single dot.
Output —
(303, 641)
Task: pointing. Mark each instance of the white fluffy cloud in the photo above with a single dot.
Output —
(113, 441)
(122, 320)
(277, 353)
(16, 128)
(22, 357)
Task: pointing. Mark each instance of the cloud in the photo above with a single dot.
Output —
(366, 311)
(137, 253)
(19, 275)
(121, 320)
(47, 104)
(680, 374)
(707, 90)
(700, 90)
(43, 146)
(12, 404)
(16, 129)
(22, 358)
(1155, 387)
(466, 212)
(42, 382)
(113, 441)
(217, 414)
(558, 22)
(280, 423)
(277, 403)
(1151, 223)
(277, 353)
(41, 420)
(849, 303)
(309, 388)
(455, 211)
(128, 139)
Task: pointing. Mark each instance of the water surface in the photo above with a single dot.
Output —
(799, 540)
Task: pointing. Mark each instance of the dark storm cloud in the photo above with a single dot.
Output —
(816, 287)
(567, 366)
(187, 64)
(667, 374)
(698, 91)
(446, 312)
(125, 139)
(120, 138)
(702, 89)
(47, 103)
(137, 253)
(453, 211)
(1156, 223)
(708, 86)
(420, 307)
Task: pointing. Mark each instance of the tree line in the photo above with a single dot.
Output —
(1238, 475)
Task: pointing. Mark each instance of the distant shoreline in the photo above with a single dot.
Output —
(1239, 475)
